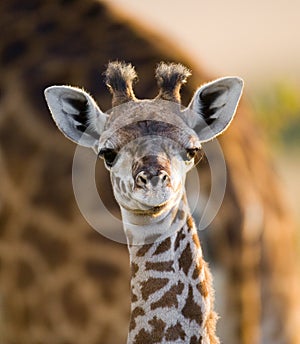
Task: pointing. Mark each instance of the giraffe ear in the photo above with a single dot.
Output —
(213, 107)
(76, 114)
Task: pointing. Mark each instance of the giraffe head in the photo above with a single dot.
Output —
(147, 145)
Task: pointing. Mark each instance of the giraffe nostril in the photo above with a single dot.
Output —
(164, 177)
(141, 179)
(144, 179)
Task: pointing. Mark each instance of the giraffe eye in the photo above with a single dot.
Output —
(195, 153)
(109, 155)
(191, 153)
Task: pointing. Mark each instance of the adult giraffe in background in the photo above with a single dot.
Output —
(60, 281)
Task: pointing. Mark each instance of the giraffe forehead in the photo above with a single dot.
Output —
(151, 133)
(146, 109)
(137, 119)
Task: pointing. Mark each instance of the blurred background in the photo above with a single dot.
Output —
(63, 283)
(258, 41)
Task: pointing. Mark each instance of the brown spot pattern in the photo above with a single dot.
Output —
(152, 285)
(160, 266)
(133, 296)
(153, 337)
(169, 299)
(180, 236)
(175, 332)
(134, 314)
(42, 242)
(198, 268)
(196, 272)
(191, 310)
(186, 259)
(195, 340)
(143, 250)
(134, 269)
(163, 246)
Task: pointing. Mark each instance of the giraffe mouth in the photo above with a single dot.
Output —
(155, 199)
(152, 211)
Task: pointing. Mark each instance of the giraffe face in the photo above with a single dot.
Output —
(148, 145)
(148, 161)
(148, 149)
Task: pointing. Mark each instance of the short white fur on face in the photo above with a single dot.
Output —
(132, 197)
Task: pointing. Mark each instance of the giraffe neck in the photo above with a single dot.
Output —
(171, 299)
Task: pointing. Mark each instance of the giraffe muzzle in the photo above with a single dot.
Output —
(145, 179)
(151, 172)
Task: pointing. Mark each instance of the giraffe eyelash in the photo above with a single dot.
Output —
(109, 155)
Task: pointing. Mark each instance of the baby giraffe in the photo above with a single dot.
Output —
(148, 146)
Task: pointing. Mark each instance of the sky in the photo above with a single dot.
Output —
(258, 40)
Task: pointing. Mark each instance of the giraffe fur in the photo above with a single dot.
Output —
(149, 146)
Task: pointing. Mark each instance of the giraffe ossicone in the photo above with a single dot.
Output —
(149, 146)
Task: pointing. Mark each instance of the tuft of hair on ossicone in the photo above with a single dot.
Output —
(170, 77)
(119, 78)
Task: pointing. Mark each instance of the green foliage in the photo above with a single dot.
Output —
(278, 110)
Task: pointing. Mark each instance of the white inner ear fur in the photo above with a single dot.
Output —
(224, 104)
(222, 99)
(64, 113)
